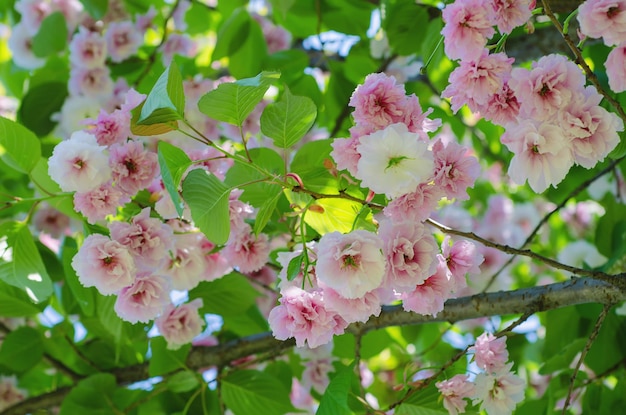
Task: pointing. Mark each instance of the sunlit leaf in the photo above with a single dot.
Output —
(19, 147)
(288, 120)
(173, 163)
(245, 391)
(166, 102)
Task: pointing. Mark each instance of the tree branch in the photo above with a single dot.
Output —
(522, 301)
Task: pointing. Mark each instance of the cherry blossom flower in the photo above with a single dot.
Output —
(605, 19)
(20, 42)
(179, 325)
(105, 264)
(490, 352)
(393, 155)
(123, 40)
(378, 102)
(216, 265)
(304, 316)
(32, 13)
(315, 375)
(111, 128)
(499, 392)
(417, 120)
(73, 113)
(454, 391)
(345, 153)
(148, 239)
(246, 251)
(455, 169)
(411, 254)
(353, 309)
(462, 257)
(145, 21)
(509, 14)
(88, 49)
(579, 253)
(79, 164)
(49, 220)
(616, 68)
(96, 204)
(186, 265)
(467, 28)
(10, 394)
(415, 206)
(503, 106)
(428, 297)
(133, 168)
(351, 264)
(178, 44)
(145, 299)
(542, 154)
(94, 82)
(475, 81)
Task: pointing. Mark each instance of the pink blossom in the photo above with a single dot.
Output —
(462, 257)
(605, 19)
(111, 128)
(145, 21)
(133, 167)
(316, 373)
(96, 204)
(467, 28)
(455, 169)
(616, 68)
(178, 44)
(72, 11)
(550, 85)
(499, 392)
(428, 298)
(503, 106)
(246, 251)
(132, 99)
(88, 49)
(393, 156)
(415, 206)
(351, 264)
(216, 266)
(454, 391)
(490, 352)
(105, 264)
(145, 299)
(21, 45)
(186, 265)
(179, 325)
(32, 13)
(411, 254)
(475, 81)
(378, 102)
(542, 154)
(304, 316)
(218, 164)
(79, 164)
(345, 153)
(123, 40)
(417, 120)
(148, 239)
(509, 14)
(94, 82)
(49, 220)
(10, 394)
(353, 309)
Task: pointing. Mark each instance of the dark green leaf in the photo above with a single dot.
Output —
(164, 360)
(288, 120)
(335, 398)
(85, 297)
(182, 381)
(96, 8)
(232, 34)
(227, 296)
(51, 37)
(91, 396)
(38, 105)
(563, 358)
(404, 25)
(173, 163)
(19, 147)
(245, 391)
(21, 349)
(207, 198)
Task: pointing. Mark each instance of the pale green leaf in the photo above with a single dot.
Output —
(166, 102)
(288, 120)
(232, 102)
(173, 163)
(245, 392)
(21, 349)
(152, 129)
(19, 147)
(207, 198)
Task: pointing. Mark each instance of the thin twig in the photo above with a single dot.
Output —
(583, 354)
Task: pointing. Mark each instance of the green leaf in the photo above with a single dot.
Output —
(563, 358)
(19, 147)
(152, 129)
(93, 396)
(173, 163)
(96, 8)
(15, 303)
(242, 174)
(164, 360)
(232, 34)
(267, 208)
(38, 105)
(246, 391)
(227, 296)
(335, 398)
(21, 349)
(27, 270)
(404, 25)
(85, 297)
(295, 267)
(182, 382)
(51, 37)
(288, 120)
(426, 402)
(282, 6)
(207, 198)
(166, 101)
(232, 102)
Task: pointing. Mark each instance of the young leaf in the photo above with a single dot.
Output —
(19, 147)
(166, 101)
(266, 210)
(288, 120)
(51, 37)
(245, 391)
(294, 267)
(335, 398)
(21, 349)
(233, 102)
(152, 129)
(207, 198)
(173, 163)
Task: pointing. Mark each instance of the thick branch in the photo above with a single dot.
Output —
(523, 301)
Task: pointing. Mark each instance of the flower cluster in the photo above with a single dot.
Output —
(497, 389)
